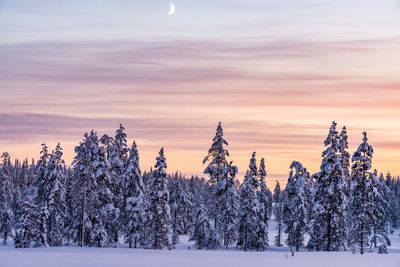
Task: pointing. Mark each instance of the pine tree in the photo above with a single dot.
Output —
(40, 183)
(217, 171)
(230, 206)
(27, 224)
(394, 202)
(362, 194)
(201, 226)
(40, 236)
(278, 213)
(132, 209)
(158, 213)
(381, 207)
(69, 232)
(329, 212)
(344, 156)
(105, 212)
(6, 199)
(92, 197)
(277, 192)
(55, 175)
(295, 206)
(249, 208)
(264, 200)
(181, 205)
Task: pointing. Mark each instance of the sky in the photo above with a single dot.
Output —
(276, 73)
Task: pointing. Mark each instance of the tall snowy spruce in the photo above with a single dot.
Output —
(278, 213)
(93, 199)
(329, 211)
(55, 176)
(249, 209)
(264, 200)
(40, 183)
(362, 195)
(6, 199)
(295, 206)
(217, 171)
(116, 151)
(344, 158)
(181, 206)
(158, 211)
(133, 199)
(229, 208)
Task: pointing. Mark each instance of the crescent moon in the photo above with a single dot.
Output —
(172, 9)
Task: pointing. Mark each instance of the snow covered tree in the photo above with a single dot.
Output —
(249, 209)
(264, 200)
(201, 226)
(181, 206)
(278, 213)
(217, 171)
(40, 235)
(132, 209)
(394, 201)
(277, 192)
(329, 211)
(381, 207)
(344, 156)
(229, 208)
(158, 212)
(214, 239)
(92, 197)
(121, 143)
(40, 183)
(6, 198)
(105, 211)
(27, 224)
(295, 206)
(362, 194)
(55, 176)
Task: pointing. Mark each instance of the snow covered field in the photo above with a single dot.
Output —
(182, 256)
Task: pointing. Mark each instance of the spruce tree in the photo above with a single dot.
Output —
(217, 171)
(249, 209)
(105, 214)
(295, 206)
(329, 212)
(230, 207)
(264, 200)
(132, 209)
(6, 199)
(201, 226)
(27, 225)
(362, 194)
(158, 213)
(277, 192)
(40, 182)
(181, 205)
(55, 175)
(278, 213)
(381, 207)
(93, 208)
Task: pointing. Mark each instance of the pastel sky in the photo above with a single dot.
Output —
(275, 72)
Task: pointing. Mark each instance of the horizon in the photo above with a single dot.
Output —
(275, 73)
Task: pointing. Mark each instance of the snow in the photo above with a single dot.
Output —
(183, 257)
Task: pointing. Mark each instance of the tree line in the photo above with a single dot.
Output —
(103, 199)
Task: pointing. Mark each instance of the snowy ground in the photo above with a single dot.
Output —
(182, 256)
